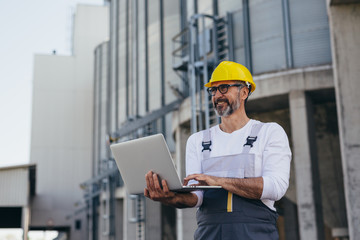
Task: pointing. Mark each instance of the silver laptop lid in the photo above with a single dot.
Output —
(136, 157)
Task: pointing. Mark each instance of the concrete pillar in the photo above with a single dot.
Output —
(185, 218)
(129, 227)
(345, 38)
(25, 221)
(306, 167)
(153, 225)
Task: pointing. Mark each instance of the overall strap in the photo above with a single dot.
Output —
(252, 137)
(206, 143)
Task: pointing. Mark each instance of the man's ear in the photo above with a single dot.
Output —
(245, 93)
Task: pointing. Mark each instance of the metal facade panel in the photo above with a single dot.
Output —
(309, 32)
(96, 120)
(238, 37)
(267, 37)
(104, 98)
(122, 61)
(229, 6)
(14, 187)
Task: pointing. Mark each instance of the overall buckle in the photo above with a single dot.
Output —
(250, 141)
(206, 146)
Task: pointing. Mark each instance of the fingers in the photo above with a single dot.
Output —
(165, 187)
(202, 179)
(146, 193)
(157, 183)
(152, 183)
(192, 177)
(155, 190)
(150, 180)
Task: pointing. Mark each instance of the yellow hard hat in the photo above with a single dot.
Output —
(228, 70)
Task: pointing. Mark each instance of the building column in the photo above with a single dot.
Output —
(306, 167)
(185, 218)
(25, 221)
(153, 222)
(344, 22)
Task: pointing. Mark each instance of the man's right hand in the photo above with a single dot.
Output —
(161, 193)
(155, 191)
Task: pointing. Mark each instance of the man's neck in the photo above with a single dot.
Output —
(234, 122)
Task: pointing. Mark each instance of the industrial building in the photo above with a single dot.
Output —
(17, 184)
(148, 78)
(61, 129)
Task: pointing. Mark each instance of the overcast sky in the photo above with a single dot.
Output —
(27, 27)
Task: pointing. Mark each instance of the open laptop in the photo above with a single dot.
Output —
(137, 157)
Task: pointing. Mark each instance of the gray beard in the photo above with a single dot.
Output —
(230, 108)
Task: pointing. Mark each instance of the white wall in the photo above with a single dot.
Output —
(62, 121)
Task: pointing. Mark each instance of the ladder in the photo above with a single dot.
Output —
(196, 52)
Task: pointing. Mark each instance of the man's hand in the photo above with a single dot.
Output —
(154, 191)
(162, 194)
(245, 187)
(204, 180)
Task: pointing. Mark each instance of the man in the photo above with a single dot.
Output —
(249, 159)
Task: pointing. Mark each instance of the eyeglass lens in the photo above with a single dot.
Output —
(223, 88)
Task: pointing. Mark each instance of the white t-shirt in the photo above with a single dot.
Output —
(272, 156)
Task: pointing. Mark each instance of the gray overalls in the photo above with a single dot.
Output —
(227, 216)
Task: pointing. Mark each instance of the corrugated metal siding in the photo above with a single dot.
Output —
(238, 36)
(97, 94)
(14, 187)
(101, 150)
(267, 37)
(309, 32)
(225, 6)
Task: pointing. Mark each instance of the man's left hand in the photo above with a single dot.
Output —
(203, 179)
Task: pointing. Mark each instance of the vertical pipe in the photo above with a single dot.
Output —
(192, 77)
(146, 58)
(247, 35)
(287, 33)
(197, 76)
(127, 59)
(205, 77)
(195, 7)
(94, 137)
(216, 53)
(109, 102)
(215, 42)
(112, 188)
(95, 220)
(135, 43)
(215, 8)
(117, 16)
(230, 40)
(184, 40)
(110, 50)
(162, 63)
(100, 111)
(183, 16)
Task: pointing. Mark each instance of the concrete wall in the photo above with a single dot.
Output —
(345, 37)
(62, 123)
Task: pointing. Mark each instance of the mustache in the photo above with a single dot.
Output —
(216, 101)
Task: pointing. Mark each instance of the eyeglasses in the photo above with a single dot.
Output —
(223, 88)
